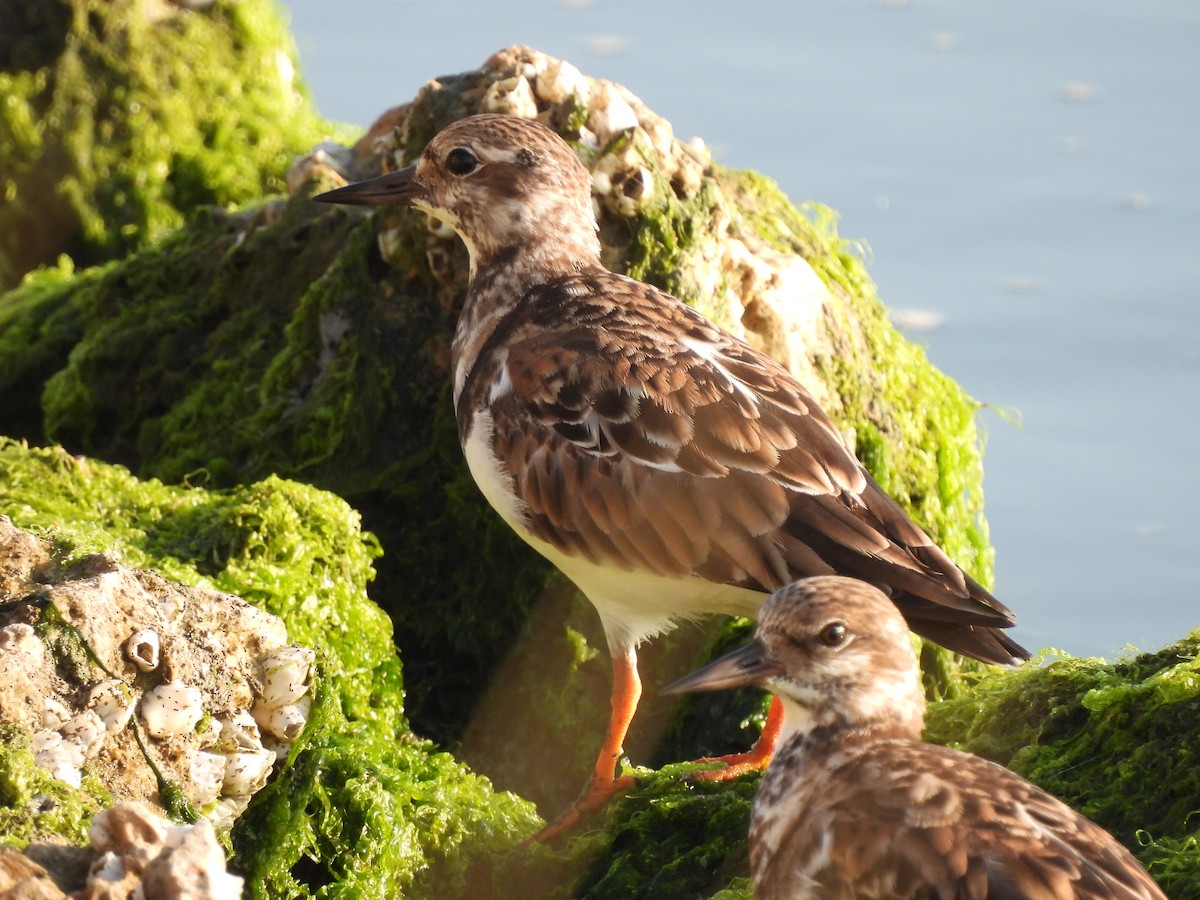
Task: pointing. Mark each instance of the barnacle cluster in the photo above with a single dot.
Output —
(218, 693)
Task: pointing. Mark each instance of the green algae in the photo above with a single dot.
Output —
(674, 839)
(1117, 741)
(373, 804)
(121, 117)
(35, 806)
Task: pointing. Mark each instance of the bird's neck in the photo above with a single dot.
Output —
(499, 283)
(819, 726)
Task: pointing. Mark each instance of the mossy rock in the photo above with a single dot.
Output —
(362, 807)
(122, 117)
(278, 341)
(1120, 742)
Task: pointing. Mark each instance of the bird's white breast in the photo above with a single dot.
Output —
(633, 605)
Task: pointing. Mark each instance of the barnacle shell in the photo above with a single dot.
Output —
(207, 773)
(61, 758)
(246, 771)
(171, 709)
(19, 638)
(113, 701)
(282, 722)
(560, 80)
(285, 675)
(240, 732)
(142, 648)
(610, 113)
(512, 96)
(85, 730)
(54, 714)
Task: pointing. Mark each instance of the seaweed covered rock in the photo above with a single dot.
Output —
(358, 801)
(296, 341)
(1120, 742)
(121, 117)
(164, 692)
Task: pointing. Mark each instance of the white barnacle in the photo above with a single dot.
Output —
(142, 648)
(285, 675)
(246, 771)
(240, 733)
(18, 638)
(633, 189)
(113, 701)
(54, 714)
(171, 709)
(206, 771)
(225, 811)
(62, 759)
(511, 96)
(282, 722)
(560, 81)
(86, 731)
(610, 113)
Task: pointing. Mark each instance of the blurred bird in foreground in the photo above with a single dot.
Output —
(854, 805)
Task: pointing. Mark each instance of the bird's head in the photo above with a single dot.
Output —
(502, 183)
(835, 650)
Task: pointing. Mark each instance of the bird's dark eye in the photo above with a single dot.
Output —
(833, 634)
(461, 161)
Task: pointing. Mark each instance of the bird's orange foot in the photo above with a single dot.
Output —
(753, 760)
(735, 765)
(597, 793)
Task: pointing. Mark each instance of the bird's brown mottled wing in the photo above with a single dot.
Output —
(914, 820)
(641, 436)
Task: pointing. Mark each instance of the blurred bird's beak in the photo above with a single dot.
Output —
(745, 666)
(394, 188)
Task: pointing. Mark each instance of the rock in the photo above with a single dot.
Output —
(358, 790)
(67, 677)
(120, 118)
(134, 851)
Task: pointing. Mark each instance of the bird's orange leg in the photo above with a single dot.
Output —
(756, 758)
(604, 783)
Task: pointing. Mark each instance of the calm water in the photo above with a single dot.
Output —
(1026, 175)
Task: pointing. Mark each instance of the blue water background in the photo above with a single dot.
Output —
(1026, 175)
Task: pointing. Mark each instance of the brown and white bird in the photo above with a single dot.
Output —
(666, 467)
(854, 805)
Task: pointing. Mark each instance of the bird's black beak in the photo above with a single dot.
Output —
(745, 666)
(394, 188)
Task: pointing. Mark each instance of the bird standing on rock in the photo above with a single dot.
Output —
(854, 805)
(666, 467)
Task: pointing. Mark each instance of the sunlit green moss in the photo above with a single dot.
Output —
(1118, 741)
(121, 117)
(362, 807)
(34, 806)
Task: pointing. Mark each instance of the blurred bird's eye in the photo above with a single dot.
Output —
(833, 634)
(461, 161)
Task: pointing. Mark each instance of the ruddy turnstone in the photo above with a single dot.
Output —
(854, 805)
(666, 467)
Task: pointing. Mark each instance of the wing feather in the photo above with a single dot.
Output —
(695, 453)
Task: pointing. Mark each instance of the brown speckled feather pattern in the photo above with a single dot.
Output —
(854, 804)
(640, 436)
(619, 431)
(901, 819)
